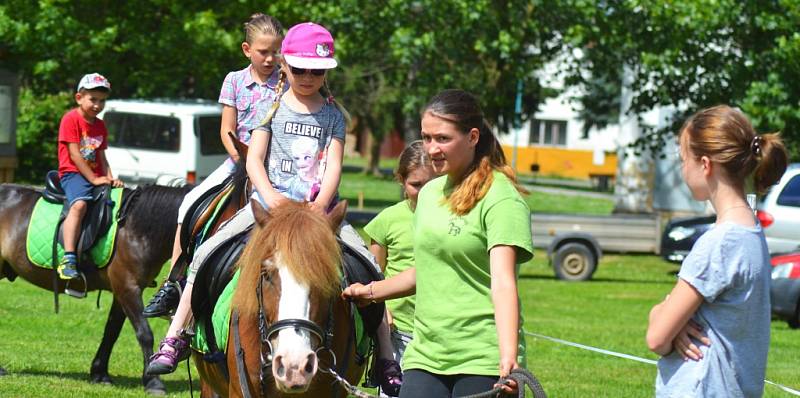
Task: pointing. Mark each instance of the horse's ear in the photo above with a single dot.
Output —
(259, 212)
(336, 215)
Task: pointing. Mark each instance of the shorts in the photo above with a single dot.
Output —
(76, 187)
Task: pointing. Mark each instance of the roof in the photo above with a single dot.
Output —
(164, 106)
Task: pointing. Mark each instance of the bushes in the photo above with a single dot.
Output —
(37, 133)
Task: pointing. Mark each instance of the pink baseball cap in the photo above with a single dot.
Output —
(308, 45)
(93, 81)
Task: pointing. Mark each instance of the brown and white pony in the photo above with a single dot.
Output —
(291, 319)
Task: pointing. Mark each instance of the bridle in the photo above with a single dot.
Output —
(324, 338)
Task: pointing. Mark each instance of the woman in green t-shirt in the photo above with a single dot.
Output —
(471, 230)
(391, 232)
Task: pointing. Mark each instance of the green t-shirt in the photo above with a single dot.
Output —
(393, 229)
(454, 327)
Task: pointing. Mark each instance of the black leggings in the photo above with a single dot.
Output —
(418, 383)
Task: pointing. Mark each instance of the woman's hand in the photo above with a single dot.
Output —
(682, 343)
(361, 294)
(506, 366)
(116, 183)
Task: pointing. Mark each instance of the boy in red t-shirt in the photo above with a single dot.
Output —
(81, 161)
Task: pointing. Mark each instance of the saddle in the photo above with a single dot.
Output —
(211, 279)
(357, 268)
(204, 212)
(98, 217)
(217, 271)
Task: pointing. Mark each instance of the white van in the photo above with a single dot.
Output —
(167, 142)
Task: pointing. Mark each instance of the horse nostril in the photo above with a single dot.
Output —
(280, 370)
(311, 362)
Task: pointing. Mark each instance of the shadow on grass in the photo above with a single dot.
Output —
(595, 280)
(535, 276)
(173, 386)
(618, 280)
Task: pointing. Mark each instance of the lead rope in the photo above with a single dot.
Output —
(523, 377)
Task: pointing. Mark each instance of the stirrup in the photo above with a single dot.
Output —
(76, 293)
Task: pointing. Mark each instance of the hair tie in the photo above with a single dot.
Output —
(755, 145)
(330, 99)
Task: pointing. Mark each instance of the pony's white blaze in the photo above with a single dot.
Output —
(294, 363)
(293, 305)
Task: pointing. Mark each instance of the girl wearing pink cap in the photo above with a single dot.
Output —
(295, 154)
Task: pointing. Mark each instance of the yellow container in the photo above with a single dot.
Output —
(561, 162)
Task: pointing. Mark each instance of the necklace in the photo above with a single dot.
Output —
(719, 215)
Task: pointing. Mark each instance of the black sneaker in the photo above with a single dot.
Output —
(165, 301)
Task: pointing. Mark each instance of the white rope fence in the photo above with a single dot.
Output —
(633, 357)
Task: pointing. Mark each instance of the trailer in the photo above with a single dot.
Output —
(575, 243)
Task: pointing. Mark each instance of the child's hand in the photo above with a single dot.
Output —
(117, 183)
(316, 208)
(682, 343)
(506, 366)
(101, 180)
(274, 200)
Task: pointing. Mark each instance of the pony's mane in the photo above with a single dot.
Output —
(152, 205)
(305, 243)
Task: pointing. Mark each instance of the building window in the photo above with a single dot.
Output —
(548, 132)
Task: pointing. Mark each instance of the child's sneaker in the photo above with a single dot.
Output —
(391, 377)
(165, 361)
(67, 269)
(165, 301)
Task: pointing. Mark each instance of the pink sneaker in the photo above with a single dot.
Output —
(165, 361)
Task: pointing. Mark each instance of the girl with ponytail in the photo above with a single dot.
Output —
(471, 231)
(712, 330)
(243, 93)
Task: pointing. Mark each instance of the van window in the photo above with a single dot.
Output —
(210, 143)
(133, 130)
(790, 195)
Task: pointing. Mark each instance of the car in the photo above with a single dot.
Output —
(785, 288)
(163, 141)
(680, 234)
(779, 213)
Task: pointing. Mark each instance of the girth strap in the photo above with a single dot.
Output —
(237, 347)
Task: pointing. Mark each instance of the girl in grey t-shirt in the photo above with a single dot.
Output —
(712, 330)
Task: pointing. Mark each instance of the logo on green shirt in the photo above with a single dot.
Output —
(455, 223)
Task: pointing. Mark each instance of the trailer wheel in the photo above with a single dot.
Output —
(794, 321)
(574, 262)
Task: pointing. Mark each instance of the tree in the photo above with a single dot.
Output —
(690, 55)
(394, 54)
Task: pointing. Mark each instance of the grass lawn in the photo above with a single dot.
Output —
(49, 355)
(381, 192)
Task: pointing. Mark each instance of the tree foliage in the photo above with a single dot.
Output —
(394, 54)
(691, 55)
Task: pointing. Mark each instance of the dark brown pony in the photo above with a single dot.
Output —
(143, 244)
(290, 273)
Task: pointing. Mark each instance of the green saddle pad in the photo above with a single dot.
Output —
(42, 229)
(221, 319)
